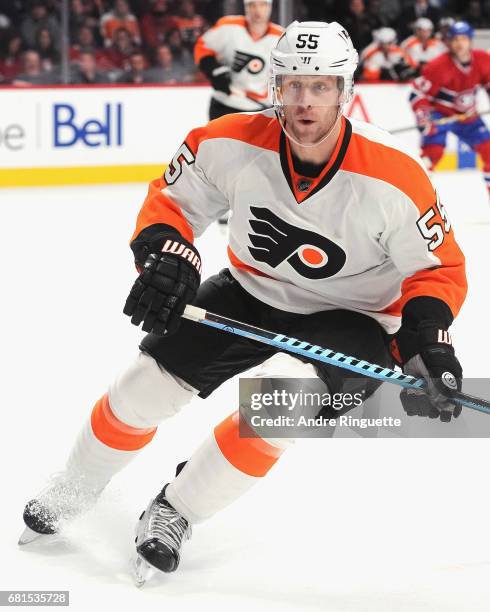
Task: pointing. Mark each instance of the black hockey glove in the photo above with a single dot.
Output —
(168, 281)
(427, 353)
(221, 79)
(219, 75)
(404, 72)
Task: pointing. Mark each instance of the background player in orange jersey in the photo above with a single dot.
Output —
(337, 237)
(234, 55)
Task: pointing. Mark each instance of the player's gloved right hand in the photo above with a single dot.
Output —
(221, 79)
(435, 361)
(425, 122)
(168, 281)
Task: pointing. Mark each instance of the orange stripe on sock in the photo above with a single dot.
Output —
(114, 433)
(253, 456)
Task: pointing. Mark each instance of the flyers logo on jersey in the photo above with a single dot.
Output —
(253, 63)
(274, 241)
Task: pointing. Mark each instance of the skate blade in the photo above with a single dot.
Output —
(141, 571)
(28, 536)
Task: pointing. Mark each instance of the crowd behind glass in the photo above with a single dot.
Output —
(152, 41)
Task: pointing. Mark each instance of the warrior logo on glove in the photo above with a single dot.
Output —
(177, 248)
(310, 254)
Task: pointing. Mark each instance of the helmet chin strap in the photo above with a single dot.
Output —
(282, 121)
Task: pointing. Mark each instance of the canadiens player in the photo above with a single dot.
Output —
(337, 237)
(234, 55)
(448, 86)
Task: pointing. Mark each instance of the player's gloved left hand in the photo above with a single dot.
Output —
(221, 79)
(425, 122)
(436, 362)
(404, 72)
(167, 282)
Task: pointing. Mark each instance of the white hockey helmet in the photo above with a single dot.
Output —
(384, 36)
(422, 23)
(314, 48)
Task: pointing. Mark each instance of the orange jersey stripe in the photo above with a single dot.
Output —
(275, 29)
(200, 51)
(159, 208)
(114, 433)
(371, 74)
(252, 456)
(254, 129)
(382, 162)
(447, 282)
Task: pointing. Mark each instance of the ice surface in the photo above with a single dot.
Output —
(344, 525)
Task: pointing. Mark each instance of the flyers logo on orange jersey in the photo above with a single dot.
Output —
(253, 63)
(310, 254)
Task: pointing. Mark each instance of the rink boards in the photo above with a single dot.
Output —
(119, 134)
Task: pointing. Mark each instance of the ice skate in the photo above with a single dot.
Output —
(160, 532)
(66, 497)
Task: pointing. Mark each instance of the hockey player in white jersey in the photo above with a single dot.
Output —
(337, 237)
(234, 55)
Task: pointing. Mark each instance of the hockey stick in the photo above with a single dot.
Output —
(442, 121)
(243, 94)
(292, 345)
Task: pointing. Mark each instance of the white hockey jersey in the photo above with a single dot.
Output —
(231, 43)
(367, 235)
(420, 53)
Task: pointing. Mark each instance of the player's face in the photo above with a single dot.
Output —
(311, 106)
(422, 34)
(460, 46)
(258, 13)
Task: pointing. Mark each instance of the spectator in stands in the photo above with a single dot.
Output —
(376, 13)
(11, 63)
(417, 9)
(190, 23)
(78, 17)
(422, 47)
(389, 11)
(119, 17)
(165, 71)
(5, 32)
(32, 72)
(85, 71)
(384, 60)
(121, 50)
(136, 72)
(156, 23)
(12, 9)
(39, 18)
(360, 24)
(475, 15)
(85, 43)
(182, 57)
(210, 10)
(48, 53)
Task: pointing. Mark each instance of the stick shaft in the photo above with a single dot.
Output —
(442, 121)
(324, 355)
